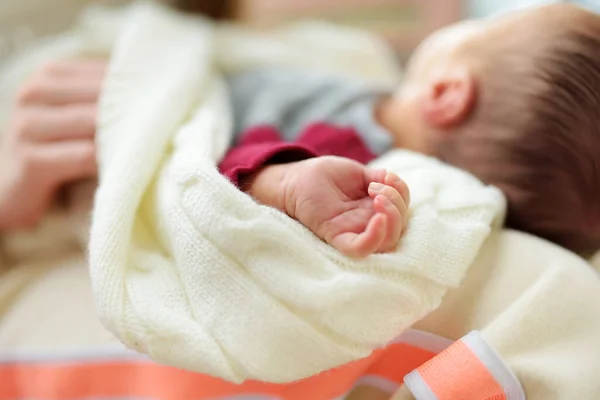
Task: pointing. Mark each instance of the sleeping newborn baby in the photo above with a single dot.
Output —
(510, 100)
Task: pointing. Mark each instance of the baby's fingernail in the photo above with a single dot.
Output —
(376, 187)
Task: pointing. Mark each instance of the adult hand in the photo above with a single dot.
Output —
(50, 141)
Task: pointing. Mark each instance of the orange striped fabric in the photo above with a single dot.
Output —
(137, 378)
(468, 369)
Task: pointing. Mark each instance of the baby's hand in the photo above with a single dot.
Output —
(357, 210)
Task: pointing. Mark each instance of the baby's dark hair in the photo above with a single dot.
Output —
(535, 134)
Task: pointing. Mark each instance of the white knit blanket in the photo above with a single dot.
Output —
(193, 272)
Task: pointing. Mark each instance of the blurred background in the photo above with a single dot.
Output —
(403, 22)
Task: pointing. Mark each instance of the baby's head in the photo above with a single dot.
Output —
(516, 101)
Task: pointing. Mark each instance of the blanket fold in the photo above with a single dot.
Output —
(190, 270)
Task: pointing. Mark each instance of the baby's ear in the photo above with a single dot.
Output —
(449, 97)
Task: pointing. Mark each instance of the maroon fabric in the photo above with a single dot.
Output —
(263, 145)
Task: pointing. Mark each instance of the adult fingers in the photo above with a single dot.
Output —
(46, 124)
(75, 68)
(55, 164)
(56, 91)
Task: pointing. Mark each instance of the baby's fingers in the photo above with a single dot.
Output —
(394, 181)
(365, 243)
(390, 179)
(377, 189)
(389, 200)
(395, 224)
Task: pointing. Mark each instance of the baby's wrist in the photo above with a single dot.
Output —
(267, 185)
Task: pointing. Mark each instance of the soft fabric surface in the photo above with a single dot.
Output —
(193, 272)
